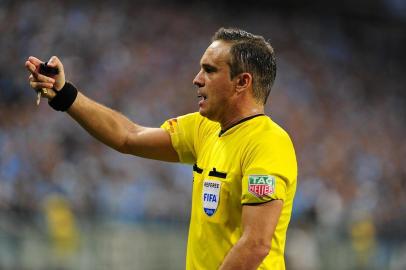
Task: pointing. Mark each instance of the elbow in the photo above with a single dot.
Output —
(260, 248)
(129, 144)
(121, 149)
(128, 140)
(121, 145)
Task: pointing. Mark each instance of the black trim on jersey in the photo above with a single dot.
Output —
(239, 122)
(197, 169)
(258, 203)
(218, 174)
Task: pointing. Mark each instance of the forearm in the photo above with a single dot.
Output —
(108, 126)
(245, 255)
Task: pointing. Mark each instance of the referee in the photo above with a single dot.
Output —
(244, 164)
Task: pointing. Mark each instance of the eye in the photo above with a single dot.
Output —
(209, 69)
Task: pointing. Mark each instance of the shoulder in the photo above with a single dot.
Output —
(269, 143)
(270, 146)
(194, 117)
(198, 122)
(265, 130)
(183, 122)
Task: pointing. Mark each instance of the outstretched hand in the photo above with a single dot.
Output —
(39, 82)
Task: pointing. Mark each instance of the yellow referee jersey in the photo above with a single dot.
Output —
(252, 162)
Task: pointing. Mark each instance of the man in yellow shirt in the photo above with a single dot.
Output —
(244, 164)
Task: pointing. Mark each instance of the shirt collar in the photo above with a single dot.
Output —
(239, 122)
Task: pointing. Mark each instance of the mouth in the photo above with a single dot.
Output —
(202, 97)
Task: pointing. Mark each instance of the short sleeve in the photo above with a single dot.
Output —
(182, 132)
(270, 167)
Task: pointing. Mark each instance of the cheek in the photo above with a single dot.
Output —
(220, 87)
(223, 92)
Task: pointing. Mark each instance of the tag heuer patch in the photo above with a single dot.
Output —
(261, 185)
(211, 196)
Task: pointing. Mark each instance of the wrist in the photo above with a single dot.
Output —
(51, 94)
(62, 99)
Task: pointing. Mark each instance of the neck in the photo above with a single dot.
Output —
(236, 117)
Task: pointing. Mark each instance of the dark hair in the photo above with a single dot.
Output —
(253, 54)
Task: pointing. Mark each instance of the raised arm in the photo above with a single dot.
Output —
(105, 124)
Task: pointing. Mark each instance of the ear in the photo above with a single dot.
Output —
(244, 82)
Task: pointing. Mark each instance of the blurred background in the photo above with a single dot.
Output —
(69, 202)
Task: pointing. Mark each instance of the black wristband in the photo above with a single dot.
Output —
(64, 98)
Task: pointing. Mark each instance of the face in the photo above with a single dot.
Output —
(215, 88)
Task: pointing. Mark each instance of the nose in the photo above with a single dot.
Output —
(198, 80)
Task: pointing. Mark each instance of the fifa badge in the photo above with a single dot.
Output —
(211, 196)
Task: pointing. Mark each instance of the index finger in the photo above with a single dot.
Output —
(38, 76)
(35, 61)
(30, 66)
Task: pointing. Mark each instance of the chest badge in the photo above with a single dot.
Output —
(211, 196)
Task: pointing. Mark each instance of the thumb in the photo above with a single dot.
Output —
(60, 78)
(54, 62)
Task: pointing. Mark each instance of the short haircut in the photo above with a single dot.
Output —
(252, 54)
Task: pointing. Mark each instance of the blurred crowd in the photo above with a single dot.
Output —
(339, 92)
